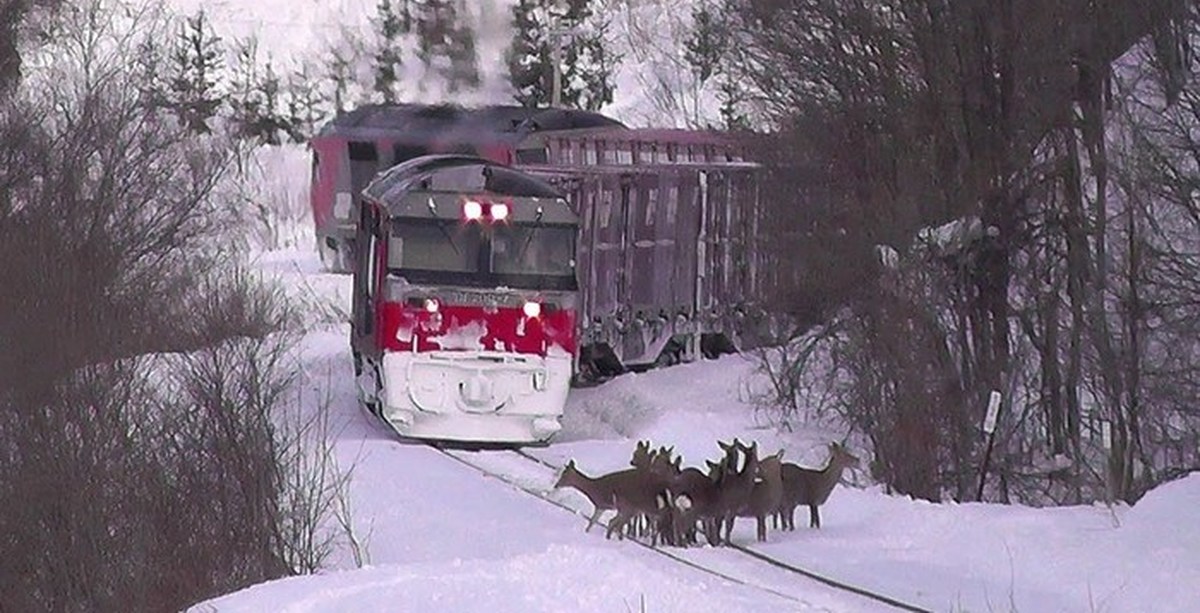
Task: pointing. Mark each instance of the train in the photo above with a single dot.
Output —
(501, 254)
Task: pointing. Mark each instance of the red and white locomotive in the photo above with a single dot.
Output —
(464, 302)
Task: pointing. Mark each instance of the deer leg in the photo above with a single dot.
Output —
(617, 524)
(814, 516)
(762, 527)
(592, 520)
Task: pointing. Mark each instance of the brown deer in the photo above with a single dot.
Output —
(646, 495)
(765, 497)
(601, 491)
(658, 462)
(734, 485)
(694, 501)
(803, 486)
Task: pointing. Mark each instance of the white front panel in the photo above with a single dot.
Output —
(475, 395)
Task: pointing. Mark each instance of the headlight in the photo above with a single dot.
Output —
(499, 212)
(472, 210)
(532, 309)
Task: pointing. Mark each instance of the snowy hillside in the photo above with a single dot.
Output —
(441, 536)
(653, 87)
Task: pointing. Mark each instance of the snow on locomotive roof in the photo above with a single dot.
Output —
(458, 174)
(443, 122)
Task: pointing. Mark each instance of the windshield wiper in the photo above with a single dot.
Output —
(537, 220)
(441, 224)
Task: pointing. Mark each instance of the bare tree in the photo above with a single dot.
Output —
(133, 480)
(988, 122)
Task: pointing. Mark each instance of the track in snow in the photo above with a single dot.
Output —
(512, 466)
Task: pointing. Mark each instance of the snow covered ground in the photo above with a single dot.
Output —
(441, 536)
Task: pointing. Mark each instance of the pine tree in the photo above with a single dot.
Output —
(731, 96)
(256, 99)
(391, 23)
(577, 33)
(705, 47)
(193, 92)
(445, 42)
(706, 50)
(306, 105)
(339, 72)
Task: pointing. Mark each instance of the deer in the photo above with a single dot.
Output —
(804, 486)
(630, 492)
(658, 462)
(765, 496)
(735, 486)
(646, 494)
(599, 490)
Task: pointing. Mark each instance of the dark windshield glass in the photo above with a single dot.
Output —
(533, 250)
(474, 254)
(435, 246)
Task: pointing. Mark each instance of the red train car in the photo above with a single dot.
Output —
(465, 297)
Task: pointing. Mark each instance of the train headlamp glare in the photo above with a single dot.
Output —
(472, 210)
(532, 309)
(431, 305)
(499, 212)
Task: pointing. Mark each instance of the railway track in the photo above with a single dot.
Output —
(778, 581)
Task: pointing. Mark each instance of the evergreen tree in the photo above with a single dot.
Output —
(445, 42)
(706, 50)
(256, 99)
(339, 72)
(706, 45)
(392, 22)
(577, 33)
(307, 106)
(193, 92)
(731, 97)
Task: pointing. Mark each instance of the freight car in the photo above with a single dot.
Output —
(667, 259)
(668, 255)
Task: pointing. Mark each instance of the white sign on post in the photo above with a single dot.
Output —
(993, 411)
(1106, 434)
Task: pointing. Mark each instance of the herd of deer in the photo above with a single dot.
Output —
(660, 498)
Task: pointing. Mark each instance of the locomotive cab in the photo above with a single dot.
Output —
(464, 305)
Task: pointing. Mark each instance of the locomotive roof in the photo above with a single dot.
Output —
(456, 173)
(423, 122)
(415, 189)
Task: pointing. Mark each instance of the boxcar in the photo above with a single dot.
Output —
(669, 262)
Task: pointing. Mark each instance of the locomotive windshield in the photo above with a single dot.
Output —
(522, 256)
